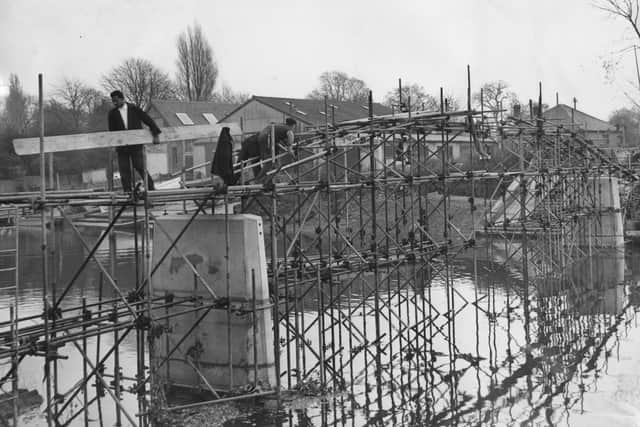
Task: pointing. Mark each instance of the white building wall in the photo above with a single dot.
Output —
(255, 116)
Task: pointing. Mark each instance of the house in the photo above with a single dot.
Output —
(260, 111)
(171, 158)
(602, 133)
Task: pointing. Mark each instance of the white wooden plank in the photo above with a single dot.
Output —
(88, 141)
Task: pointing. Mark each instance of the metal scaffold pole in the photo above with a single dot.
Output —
(45, 264)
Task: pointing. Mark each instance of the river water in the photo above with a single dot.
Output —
(569, 354)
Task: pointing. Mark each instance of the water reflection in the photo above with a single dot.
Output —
(467, 345)
(516, 355)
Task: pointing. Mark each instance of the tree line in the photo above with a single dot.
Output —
(493, 96)
(76, 107)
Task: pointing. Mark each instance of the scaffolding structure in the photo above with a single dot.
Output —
(371, 227)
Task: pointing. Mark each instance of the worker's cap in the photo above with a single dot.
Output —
(290, 122)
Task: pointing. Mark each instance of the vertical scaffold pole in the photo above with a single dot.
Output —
(112, 272)
(475, 247)
(85, 397)
(444, 137)
(388, 255)
(15, 325)
(98, 384)
(13, 317)
(374, 248)
(301, 365)
(329, 240)
(287, 298)
(155, 386)
(54, 277)
(274, 265)
(254, 325)
(140, 383)
(45, 264)
(227, 265)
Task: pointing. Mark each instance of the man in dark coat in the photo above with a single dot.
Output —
(258, 145)
(125, 116)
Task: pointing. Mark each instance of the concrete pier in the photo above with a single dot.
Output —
(608, 228)
(510, 208)
(603, 228)
(204, 245)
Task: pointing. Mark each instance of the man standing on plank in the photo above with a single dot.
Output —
(125, 116)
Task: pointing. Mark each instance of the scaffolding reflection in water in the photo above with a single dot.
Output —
(515, 359)
(371, 223)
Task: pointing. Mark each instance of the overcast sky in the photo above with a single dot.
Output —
(279, 48)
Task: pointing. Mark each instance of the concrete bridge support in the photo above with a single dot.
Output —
(229, 348)
(608, 231)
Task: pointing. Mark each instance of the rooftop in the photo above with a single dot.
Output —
(561, 114)
(311, 111)
(185, 113)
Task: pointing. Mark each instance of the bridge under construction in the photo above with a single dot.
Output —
(348, 282)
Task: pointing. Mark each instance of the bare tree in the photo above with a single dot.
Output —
(414, 97)
(227, 95)
(141, 81)
(628, 11)
(629, 121)
(495, 96)
(79, 98)
(339, 86)
(197, 69)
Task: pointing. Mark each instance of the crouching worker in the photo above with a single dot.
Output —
(222, 164)
(258, 146)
